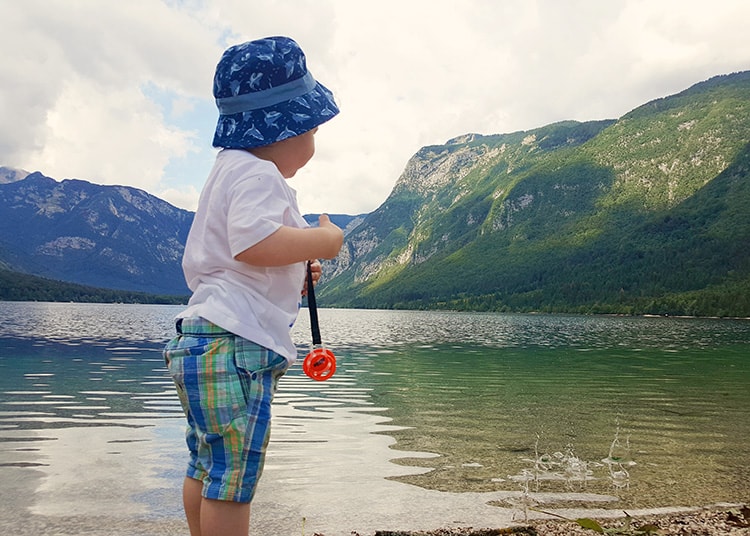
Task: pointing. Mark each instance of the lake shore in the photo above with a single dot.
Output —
(714, 520)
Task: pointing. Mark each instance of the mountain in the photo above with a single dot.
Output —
(648, 213)
(115, 237)
(110, 237)
(346, 222)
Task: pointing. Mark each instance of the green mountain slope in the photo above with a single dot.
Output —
(647, 214)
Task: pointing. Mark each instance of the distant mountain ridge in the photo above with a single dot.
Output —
(115, 237)
(110, 237)
(649, 213)
(346, 222)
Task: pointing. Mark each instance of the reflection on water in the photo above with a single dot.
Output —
(681, 421)
(652, 410)
(74, 415)
(640, 412)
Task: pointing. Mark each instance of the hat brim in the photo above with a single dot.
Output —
(265, 126)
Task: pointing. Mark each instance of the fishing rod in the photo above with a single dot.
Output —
(320, 363)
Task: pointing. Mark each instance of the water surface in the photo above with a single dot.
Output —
(432, 418)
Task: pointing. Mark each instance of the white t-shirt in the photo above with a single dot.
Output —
(244, 200)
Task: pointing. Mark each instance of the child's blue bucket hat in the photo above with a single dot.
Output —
(265, 94)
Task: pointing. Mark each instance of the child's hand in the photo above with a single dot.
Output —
(317, 270)
(291, 244)
(336, 234)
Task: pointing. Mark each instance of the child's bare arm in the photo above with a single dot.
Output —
(289, 245)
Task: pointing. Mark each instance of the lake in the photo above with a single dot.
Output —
(432, 419)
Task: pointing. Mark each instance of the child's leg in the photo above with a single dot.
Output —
(191, 500)
(224, 518)
(207, 517)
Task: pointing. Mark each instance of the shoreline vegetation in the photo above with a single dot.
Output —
(16, 286)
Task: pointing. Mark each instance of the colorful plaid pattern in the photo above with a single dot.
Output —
(225, 384)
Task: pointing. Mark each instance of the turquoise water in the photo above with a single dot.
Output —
(679, 419)
(496, 395)
(644, 412)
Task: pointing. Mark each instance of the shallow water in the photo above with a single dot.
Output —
(479, 409)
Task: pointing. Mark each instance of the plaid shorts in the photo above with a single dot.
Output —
(225, 384)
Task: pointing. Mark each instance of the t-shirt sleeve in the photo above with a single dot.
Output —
(256, 210)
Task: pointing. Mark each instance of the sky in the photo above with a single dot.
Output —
(119, 92)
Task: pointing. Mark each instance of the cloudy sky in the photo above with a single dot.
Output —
(119, 92)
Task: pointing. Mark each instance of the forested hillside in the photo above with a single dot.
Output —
(646, 214)
(15, 286)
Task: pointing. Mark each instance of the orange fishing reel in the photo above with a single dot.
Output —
(320, 363)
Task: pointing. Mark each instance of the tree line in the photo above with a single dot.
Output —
(16, 286)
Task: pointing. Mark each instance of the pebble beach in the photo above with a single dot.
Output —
(719, 520)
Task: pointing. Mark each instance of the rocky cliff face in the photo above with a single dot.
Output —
(445, 194)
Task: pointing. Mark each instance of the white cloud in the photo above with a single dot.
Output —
(107, 135)
(71, 87)
(120, 92)
(186, 197)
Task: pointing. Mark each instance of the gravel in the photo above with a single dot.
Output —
(709, 521)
